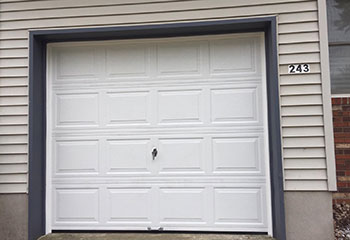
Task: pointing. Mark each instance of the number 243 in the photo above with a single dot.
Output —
(299, 68)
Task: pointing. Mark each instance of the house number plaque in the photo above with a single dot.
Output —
(298, 68)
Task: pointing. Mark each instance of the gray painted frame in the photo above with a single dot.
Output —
(38, 41)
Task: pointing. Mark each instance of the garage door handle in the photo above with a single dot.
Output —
(154, 153)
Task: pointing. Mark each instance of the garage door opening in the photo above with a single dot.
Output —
(155, 134)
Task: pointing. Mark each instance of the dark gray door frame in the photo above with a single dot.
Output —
(37, 99)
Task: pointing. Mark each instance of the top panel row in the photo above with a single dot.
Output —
(180, 58)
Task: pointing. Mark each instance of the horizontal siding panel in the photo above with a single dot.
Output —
(6, 44)
(14, 72)
(304, 153)
(13, 110)
(314, 185)
(13, 120)
(13, 100)
(22, 81)
(116, 9)
(292, 17)
(13, 159)
(13, 62)
(300, 79)
(300, 100)
(14, 53)
(302, 121)
(10, 1)
(298, 38)
(13, 188)
(13, 129)
(300, 90)
(298, 48)
(303, 142)
(298, 27)
(165, 16)
(13, 178)
(310, 174)
(42, 4)
(300, 58)
(13, 91)
(302, 111)
(318, 163)
(302, 131)
(19, 34)
(13, 168)
(82, 4)
(13, 148)
(314, 68)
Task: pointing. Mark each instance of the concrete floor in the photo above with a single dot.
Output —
(149, 236)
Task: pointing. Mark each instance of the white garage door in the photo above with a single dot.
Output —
(161, 134)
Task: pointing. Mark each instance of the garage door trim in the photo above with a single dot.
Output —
(37, 99)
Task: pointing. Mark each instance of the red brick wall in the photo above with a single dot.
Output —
(341, 124)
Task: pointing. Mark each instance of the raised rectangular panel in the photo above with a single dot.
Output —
(77, 205)
(129, 156)
(127, 205)
(77, 109)
(231, 56)
(182, 205)
(234, 105)
(77, 62)
(178, 59)
(127, 61)
(238, 205)
(181, 155)
(179, 106)
(81, 156)
(128, 108)
(236, 154)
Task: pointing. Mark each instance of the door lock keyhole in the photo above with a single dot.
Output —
(154, 153)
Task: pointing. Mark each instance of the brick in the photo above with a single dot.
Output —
(338, 119)
(337, 113)
(341, 167)
(337, 108)
(344, 156)
(341, 195)
(342, 185)
(340, 124)
(342, 135)
(346, 108)
(339, 201)
(336, 101)
(341, 162)
(343, 145)
(339, 152)
(341, 140)
(342, 189)
(338, 129)
(344, 179)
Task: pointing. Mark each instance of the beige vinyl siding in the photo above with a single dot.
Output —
(305, 166)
